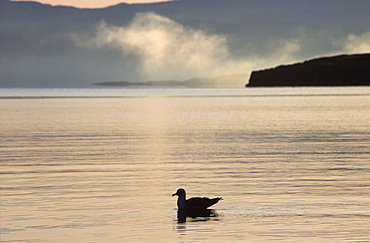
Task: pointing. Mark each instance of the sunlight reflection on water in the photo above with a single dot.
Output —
(291, 165)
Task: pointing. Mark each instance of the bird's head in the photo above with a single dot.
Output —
(179, 192)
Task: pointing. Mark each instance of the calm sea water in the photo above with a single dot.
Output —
(100, 165)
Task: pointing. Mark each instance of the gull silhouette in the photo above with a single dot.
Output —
(194, 203)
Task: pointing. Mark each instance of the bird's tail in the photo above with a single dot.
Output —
(215, 200)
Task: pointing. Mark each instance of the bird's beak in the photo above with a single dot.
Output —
(174, 194)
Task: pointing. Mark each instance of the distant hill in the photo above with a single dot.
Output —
(230, 81)
(343, 70)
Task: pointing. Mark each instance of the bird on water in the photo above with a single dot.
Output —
(194, 203)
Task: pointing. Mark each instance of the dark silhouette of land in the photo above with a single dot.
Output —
(343, 70)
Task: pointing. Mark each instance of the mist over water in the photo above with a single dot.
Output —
(292, 164)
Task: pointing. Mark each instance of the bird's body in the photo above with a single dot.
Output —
(194, 203)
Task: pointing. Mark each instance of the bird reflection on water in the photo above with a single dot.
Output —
(196, 214)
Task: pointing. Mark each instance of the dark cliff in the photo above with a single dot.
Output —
(343, 70)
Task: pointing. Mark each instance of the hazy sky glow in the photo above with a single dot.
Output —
(94, 3)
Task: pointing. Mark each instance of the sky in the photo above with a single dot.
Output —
(92, 4)
(176, 41)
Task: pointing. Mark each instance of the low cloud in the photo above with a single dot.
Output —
(169, 50)
(357, 43)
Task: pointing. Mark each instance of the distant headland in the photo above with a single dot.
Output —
(229, 81)
(343, 70)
